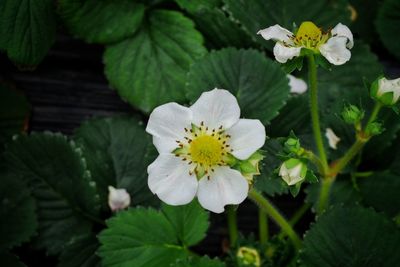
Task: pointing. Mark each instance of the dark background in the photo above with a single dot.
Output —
(69, 87)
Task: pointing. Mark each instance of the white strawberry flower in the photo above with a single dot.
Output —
(334, 45)
(118, 199)
(196, 145)
(386, 91)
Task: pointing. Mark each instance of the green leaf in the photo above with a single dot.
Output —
(351, 236)
(14, 113)
(104, 21)
(259, 14)
(80, 252)
(57, 175)
(387, 25)
(381, 191)
(341, 192)
(116, 151)
(18, 221)
(260, 85)
(27, 30)
(268, 182)
(218, 28)
(199, 262)
(190, 222)
(150, 68)
(9, 260)
(139, 237)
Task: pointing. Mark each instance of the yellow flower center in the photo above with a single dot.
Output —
(310, 36)
(206, 150)
(203, 149)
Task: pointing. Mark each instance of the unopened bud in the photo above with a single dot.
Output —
(293, 171)
(352, 114)
(386, 91)
(248, 257)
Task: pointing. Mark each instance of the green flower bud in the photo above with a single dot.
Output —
(386, 91)
(374, 128)
(248, 257)
(293, 171)
(352, 114)
(250, 167)
(292, 145)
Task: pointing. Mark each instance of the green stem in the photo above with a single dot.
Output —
(348, 156)
(374, 113)
(325, 189)
(264, 204)
(312, 77)
(263, 226)
(232, 225)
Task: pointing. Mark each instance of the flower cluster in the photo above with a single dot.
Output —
(198, 146)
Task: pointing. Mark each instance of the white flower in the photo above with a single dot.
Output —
(195, 146)
(293, 171)
(389, 86)
(118, 199)
(334, 45)
(333, 139)
(297, 86)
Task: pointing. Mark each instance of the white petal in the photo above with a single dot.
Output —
(247, 136)
(335, 50)
(276, 33)
(297, 86)
(344, 31)
(386, 86)
(215, 108)
(333, 140)
(291, 176)
(118, 199)
(284, 53)
(169, 179)
(226, 186)
(167, 124)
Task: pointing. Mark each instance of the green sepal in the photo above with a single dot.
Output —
(311, 177)
(292, 65)
(374, 128)
(295, 189)
(351, 114)
(323, 62)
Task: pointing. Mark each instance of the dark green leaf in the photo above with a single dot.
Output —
(104, 21)
(115, 150)
(199, 262)
(9, 260)
(351, 236)
(150, 68)
(381, 191)
(190, 222)
(14, 113)
(260, 85)
(259, 14)
(57, 175)
(27, 30)
(139, 237)
(341, 192)
(18, 221)
(388, 24)
(80, 252)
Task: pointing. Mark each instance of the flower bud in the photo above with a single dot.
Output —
(293, 171)
(292, 145)
(248, 257)
(118, 199)
(352, 114)
(386, 91)
(374, 128)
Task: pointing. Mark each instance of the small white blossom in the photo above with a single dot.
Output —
(293, 171)
(118, 199)
(389, 86)
(297, 86)
(334, 45)
(196, 145)
(333, 139)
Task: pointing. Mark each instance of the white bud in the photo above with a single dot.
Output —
(293, 171)
(118, 199)
(333, 139)
(389, 86)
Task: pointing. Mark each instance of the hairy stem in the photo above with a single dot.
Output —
(263, 226)
(275, 215)
(232, 225)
